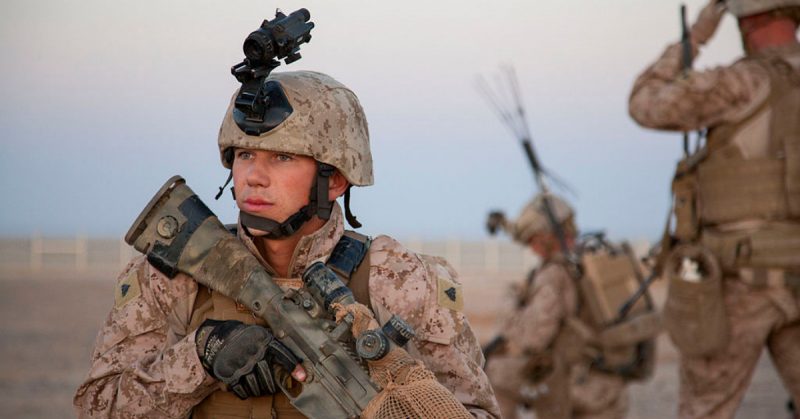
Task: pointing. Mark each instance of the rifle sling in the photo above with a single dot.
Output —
(350, 261)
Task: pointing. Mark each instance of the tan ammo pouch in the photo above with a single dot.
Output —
(547, 387)
(684, 206)
(694, 313)
(774, 247)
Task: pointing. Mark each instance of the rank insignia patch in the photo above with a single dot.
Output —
(127, 290)
(450, 294)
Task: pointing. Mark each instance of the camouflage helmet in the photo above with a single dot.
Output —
(742, 8)
(327, 123)
(533, 218)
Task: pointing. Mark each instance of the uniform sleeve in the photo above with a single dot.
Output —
(662, 98)
(535, 326)
(136, 371)
(429, 299)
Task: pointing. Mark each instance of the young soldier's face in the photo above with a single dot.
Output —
(270, 184)
(544, 244)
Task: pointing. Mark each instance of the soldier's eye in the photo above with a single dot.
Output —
(244, 155)
(284, 157)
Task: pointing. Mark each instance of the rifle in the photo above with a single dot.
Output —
(179, 234)
(686, 48)
(690, 162)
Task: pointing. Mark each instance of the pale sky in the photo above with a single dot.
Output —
(101, 102)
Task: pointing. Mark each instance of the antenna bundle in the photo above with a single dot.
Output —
(506, 101)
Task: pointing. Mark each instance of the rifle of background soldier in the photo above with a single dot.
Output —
(686, 48)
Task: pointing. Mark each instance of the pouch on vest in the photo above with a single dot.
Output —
(685, 207)
(694, 313)
(547, 387)
(611, 277)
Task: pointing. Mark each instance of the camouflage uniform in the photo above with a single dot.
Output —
(532, 329)
(739, 102)
(145, 363)
(536, 330)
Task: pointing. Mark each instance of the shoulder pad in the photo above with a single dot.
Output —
(348, 253)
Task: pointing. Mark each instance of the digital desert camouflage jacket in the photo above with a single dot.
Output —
(144, 362)
(546, 303)
(663, 99)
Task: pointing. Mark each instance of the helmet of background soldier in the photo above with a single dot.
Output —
(742, 8)
(326, 123)
(533, 218)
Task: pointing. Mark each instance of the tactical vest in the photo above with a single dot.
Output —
(753, 166)
(349, 259)
(749, 172)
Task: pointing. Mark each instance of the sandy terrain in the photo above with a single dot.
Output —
(47, 329)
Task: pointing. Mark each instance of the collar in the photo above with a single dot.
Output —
(787, 50)
(317, 245)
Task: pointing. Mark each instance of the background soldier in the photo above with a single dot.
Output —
(737, 204)
(539, 361)
(153, 357)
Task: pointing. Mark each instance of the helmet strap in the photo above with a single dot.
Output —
(274, 229)
(319, 191)
(222, 188)
(318, 205)
(351, 219)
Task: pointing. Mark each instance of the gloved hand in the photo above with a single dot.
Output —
(242, 356)
(707, 21)
(495, 222)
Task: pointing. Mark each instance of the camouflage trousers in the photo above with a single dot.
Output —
(713, 386)
(592, 394)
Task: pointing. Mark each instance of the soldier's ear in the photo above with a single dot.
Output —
(337, 185)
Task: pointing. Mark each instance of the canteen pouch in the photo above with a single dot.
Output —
(694, 313)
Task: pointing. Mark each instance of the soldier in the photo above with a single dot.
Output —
(539, 363)
(152, 358)
(737, 203)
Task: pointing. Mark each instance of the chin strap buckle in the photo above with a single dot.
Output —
(319, 193)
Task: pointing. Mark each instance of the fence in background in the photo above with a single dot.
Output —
(93, 257)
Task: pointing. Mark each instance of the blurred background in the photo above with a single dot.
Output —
(101, 102)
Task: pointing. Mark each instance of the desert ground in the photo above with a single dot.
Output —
(48, 324)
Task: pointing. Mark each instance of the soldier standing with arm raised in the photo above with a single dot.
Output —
(737, 204)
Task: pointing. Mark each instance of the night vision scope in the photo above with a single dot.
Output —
(261, 106)
(276, 39)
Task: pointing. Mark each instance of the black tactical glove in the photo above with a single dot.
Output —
(242, 356)
(495, 222)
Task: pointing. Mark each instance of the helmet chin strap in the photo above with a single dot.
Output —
(318, 205)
